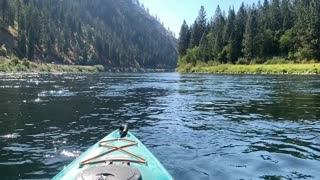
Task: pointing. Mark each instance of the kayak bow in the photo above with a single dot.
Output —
(120, 156)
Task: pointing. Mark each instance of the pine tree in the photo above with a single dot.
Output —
(230, 36)
(281, 28)
(184, 39)
(18, 15)
(286, 15)
(240, 26)
(217, 29)
(204, 48)
(275, 16)
(22, 44)
(230, 26)
(250, 43)
(198, 28)
(265, 15)
(131, 31)
(4, 10)
(314, 28)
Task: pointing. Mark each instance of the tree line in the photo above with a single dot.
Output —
(85, 32)
(287, 29)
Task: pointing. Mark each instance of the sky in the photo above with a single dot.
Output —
(173, 12)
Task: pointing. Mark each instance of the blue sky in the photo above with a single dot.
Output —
(173, 12)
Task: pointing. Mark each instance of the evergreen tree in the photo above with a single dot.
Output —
(217, 30)
(250, 43)
(229, 31)
(286, 15)
(230, 36)
(275, 15)
(56, 30)
(22, 45)
(4, 10)
(313, 25)
(240, 26)
(204, 48)
(285, 28)
(198, 28)
(265, 15)
(184, 39)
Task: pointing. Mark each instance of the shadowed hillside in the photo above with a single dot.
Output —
(114, 33)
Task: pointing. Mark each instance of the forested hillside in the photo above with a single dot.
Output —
(278, 30)
(114, 33)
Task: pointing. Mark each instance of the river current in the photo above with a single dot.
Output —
(199, 126)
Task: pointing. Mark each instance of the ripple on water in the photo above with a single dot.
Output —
(198, 126)
(58, 93)
(10, 136)
(70, 153)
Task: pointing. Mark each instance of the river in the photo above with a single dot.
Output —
(199, 126)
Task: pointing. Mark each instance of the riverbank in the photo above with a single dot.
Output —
(15, 65)
(253, 69)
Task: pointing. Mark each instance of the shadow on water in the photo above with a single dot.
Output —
(199, 126)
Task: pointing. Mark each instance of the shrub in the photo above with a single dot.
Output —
(14, 61)
(257, 61)
(201, 64)
(2, 60)
(3, 50)
(182, 61)
(186, 68)
(213, 63)
(304, 53)
(193, 55)
(242, 61)
(287, 41)
(277, 60)
(4, 68)
(313, 61)
(26, 63)
(21, 67)
(99, 68)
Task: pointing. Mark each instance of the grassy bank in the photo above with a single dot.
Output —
(253, 69)
(16, 65)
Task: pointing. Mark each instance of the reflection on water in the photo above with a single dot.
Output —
(199, 126)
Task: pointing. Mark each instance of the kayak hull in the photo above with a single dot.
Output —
(151, 169)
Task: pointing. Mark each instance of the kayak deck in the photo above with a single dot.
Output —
(117, 150)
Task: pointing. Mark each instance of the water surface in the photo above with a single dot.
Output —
(199, 126)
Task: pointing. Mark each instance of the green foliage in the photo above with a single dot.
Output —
(99, 68)
(278, 31)
(275, 15)
(277, 60)
(304, 53)
(217, 31)
(250, 41)
(255, 69)
(242, 61)
(185, 68)
(3, 50)
(14, 61)
(287, 14)
(86, 32)
(213, 63)
(199, 28)
(287, 41)
(193, 55)
(26, 63)
(184, 39)
(257, 61)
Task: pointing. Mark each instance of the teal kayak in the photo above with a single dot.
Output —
(120, 156)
